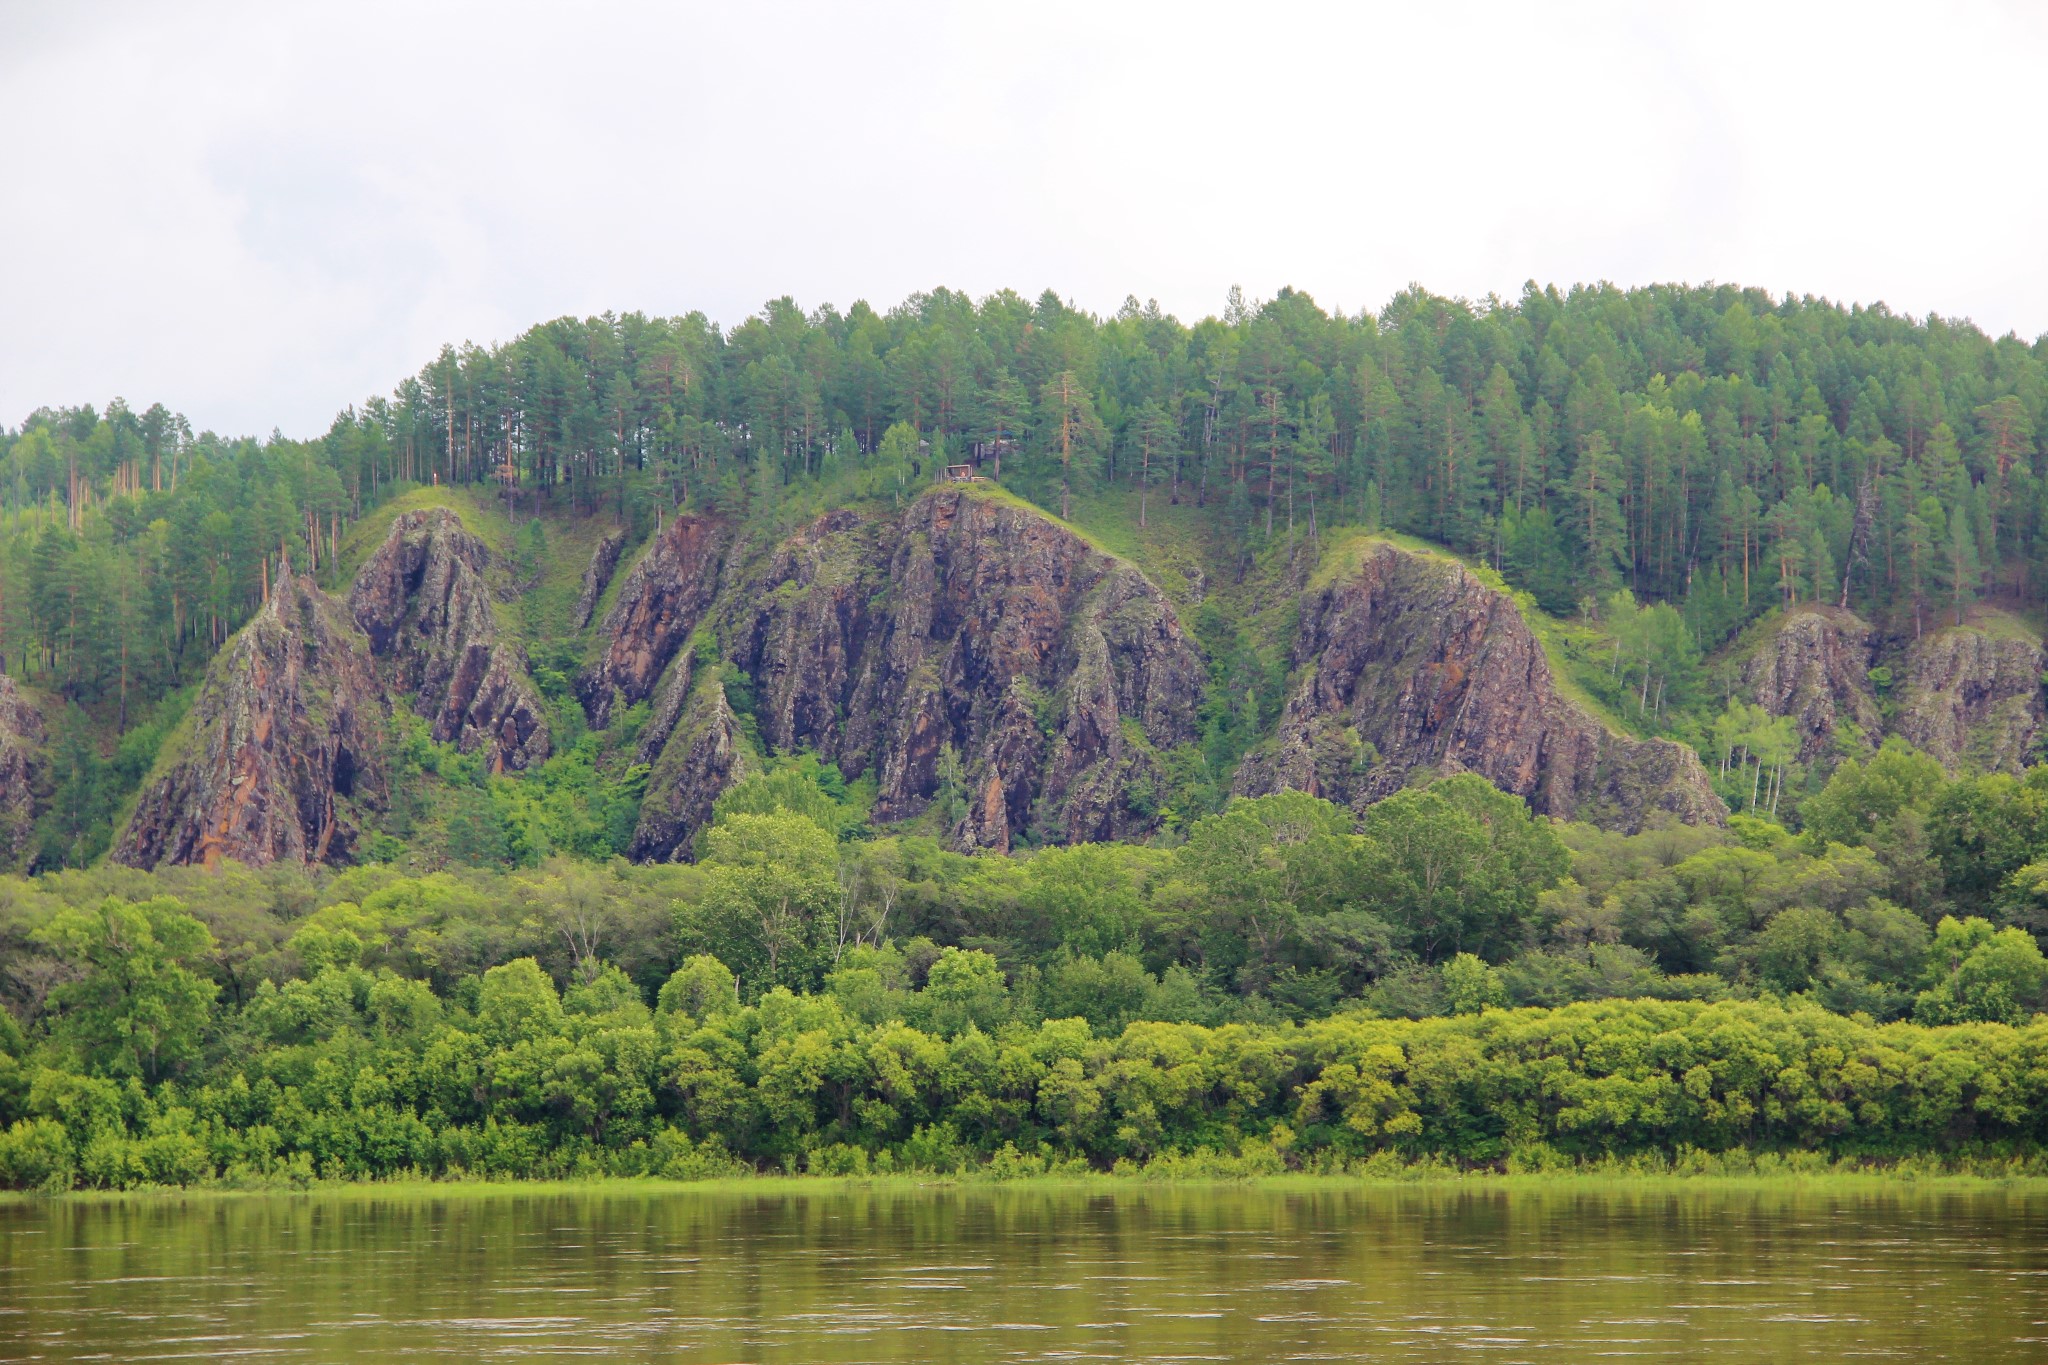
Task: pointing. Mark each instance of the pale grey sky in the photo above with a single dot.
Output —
(260, 213)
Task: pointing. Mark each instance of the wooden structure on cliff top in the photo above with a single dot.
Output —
(963, 473)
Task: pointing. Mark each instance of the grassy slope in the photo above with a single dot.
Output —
(539, 615)
(1999, 624)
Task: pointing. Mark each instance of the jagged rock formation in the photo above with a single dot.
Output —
(286, 739)
(700, 751)
(1408, 662)
(968, 645)
(604, 562)
(21, 760)
(1814, 665)
(664, 596)
(423, 601)
(1972, 698)
(1051, 671)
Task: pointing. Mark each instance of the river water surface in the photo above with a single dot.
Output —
(1026, 1273)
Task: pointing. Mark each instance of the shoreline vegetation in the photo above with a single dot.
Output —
(707, 1021)
(355, 1076)
(1912, 1176)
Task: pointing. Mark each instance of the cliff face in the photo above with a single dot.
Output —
(21, 740)
(1815, 667)
(1972, 698)
(286, 740)
(597, 576)
(698, 751)
(664, 596)
(1409, 662)
(423, 602)
(1051, 671)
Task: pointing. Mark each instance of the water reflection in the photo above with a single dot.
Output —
(1031, 1274)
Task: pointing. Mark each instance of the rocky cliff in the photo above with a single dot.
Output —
(664, 596)
(1971, 696)
(975, 645)
(21, 761)
(1407, 661)
(698, 750)
(597, 575)
(1813, 664)
(968, 647)
(285, 745)
(423, 601)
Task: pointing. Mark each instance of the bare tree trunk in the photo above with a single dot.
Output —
(1144, 478)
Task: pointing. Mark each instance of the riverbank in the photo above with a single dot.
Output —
(1603, 1178)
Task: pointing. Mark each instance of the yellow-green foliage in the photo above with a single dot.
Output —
(524, 1081)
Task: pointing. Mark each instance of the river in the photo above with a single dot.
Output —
(1032, 1273)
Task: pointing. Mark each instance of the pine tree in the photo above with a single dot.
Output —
(1960, 564)
(1918, 537)
(1073, 432)
(1820, 565)
(1597, 520)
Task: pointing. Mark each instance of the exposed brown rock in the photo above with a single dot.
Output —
(806, 630)
(1408, 662)
(1814, 665)
(967, 622)
(21, 762)
(423, 601)
(1972, 698)
(988, 823)
(664, 596)
(285, 743)
(667, 708)
(604, 561)
(705, 753)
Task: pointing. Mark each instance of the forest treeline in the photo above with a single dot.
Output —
(1294, 987)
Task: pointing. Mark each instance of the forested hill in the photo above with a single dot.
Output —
(1771, 530)
(926, 740)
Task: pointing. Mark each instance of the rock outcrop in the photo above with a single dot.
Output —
(285, 745)
(1814, 666)
(424, 603)
(968, 647)
(664, 596)
(702, 751)
(1971, 697)
(1408, 662)
(597, 576)
(21, 761)
(975, 645)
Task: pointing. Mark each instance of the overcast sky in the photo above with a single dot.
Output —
(260, 213)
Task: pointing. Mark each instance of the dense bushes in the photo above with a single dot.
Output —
(1446, 980)
(363, 1074)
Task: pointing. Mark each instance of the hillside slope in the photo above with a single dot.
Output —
(1406, 661)
(990, 673)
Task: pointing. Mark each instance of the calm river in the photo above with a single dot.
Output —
(1032, 1273)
